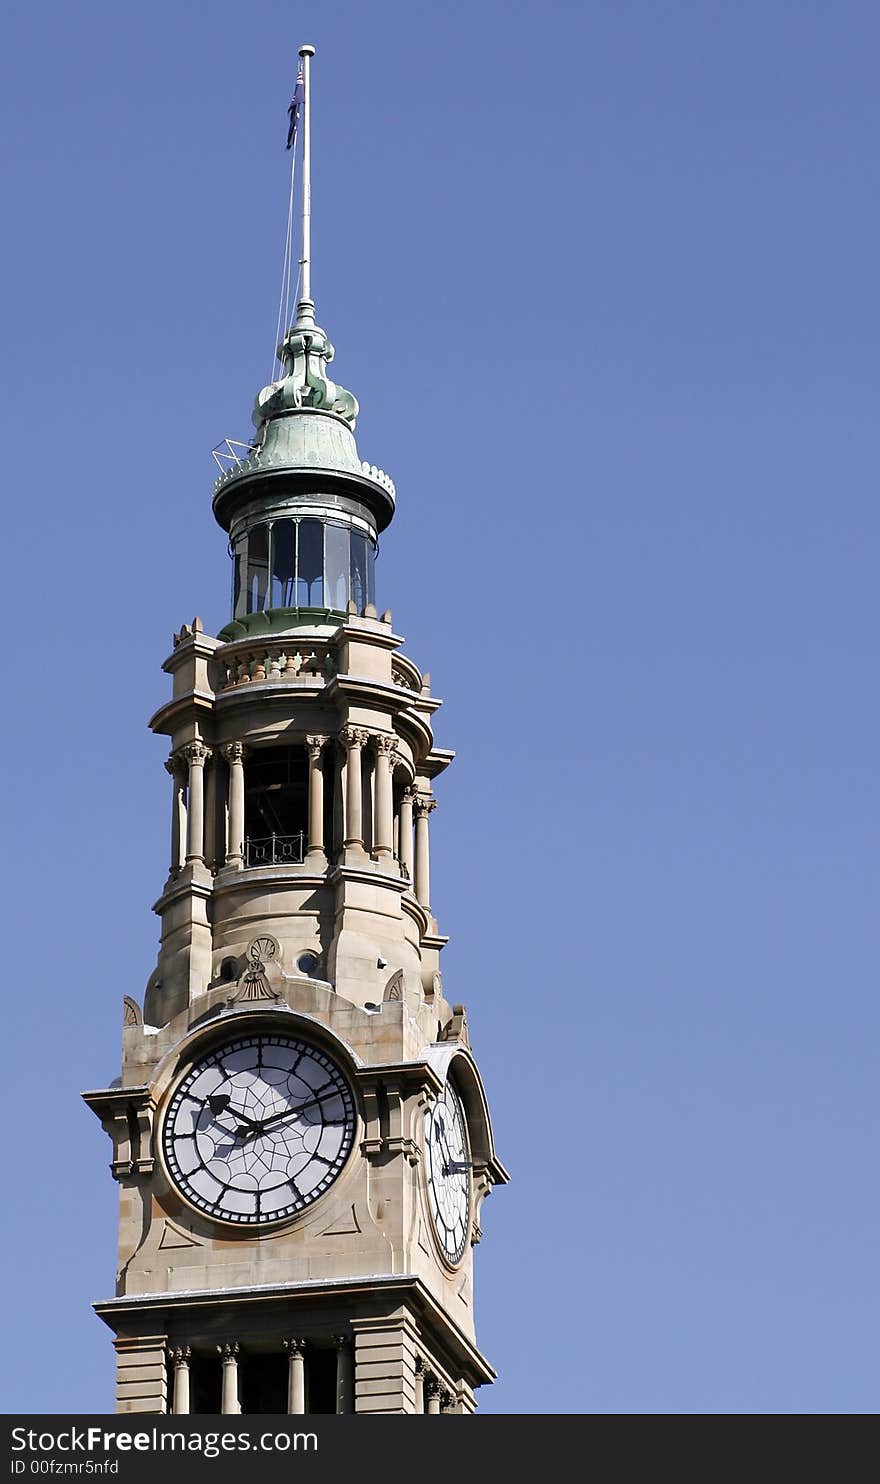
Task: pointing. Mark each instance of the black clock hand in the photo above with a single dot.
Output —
(295, 1112)
(221, 1103)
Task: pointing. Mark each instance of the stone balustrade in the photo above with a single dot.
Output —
(273, 661)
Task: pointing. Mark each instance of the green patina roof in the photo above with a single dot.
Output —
(278, 621)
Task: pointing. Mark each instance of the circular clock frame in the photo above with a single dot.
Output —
(449, 1193)
(281, 1122)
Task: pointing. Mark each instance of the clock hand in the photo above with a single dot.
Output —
(221, 1103)
(295, 1112)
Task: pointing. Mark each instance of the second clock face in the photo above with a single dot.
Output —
(258, 1129)
(448, 1173)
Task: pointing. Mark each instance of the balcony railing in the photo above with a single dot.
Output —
(275, 850)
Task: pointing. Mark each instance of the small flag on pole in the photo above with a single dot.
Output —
(295, 108)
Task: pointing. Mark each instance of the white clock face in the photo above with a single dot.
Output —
(258, 1129)
(448, 1172)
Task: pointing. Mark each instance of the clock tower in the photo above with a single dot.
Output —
(300, 1132)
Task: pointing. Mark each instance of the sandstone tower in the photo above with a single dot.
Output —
(300, 1132)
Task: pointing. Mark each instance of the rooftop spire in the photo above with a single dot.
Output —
(305, 350)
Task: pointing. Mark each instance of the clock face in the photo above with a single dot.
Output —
(258, 1129)
(448, 1173)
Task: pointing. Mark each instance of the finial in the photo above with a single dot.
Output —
(305, 350)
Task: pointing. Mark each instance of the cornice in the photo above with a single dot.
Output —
(131, 1308)
(192, 702)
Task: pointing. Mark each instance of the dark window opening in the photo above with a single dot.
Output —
(276, 805)
(263, 1383)
(320, 1381)
(205, 1384)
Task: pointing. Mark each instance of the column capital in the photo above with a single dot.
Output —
(445, 1398)
(340, 1341)
(420, 1365)
(228, 1352)
(196, 753)
(233, 752)
(424, 804)
(386, 745)
(432, 1385)
(180, 1355)
(352, 737)
(294, 1346)
(316, 745)
(176, 765)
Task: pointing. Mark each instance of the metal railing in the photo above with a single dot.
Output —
(275, 850)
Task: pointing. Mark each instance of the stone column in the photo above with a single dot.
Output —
(423, 805)
(315, 747)
(196, 754)
(296, 1376)
(420, 1384)
(432, 1392)
(383, 821)
(353, 739)
(234, 755)
(176, 766)
(229, 1394)
(344, 1374)
(405, 831)
(180, 1357)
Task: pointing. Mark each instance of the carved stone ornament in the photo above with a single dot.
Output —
(261, 979)
(352, 737)
(176, 766)
(196, 753)
(424, 804)
(386, 746)
(233, 752)
(394, 987)
(131, 1013)
(456, 1029)
(316, 746)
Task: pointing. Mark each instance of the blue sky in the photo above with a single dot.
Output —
(603, 278)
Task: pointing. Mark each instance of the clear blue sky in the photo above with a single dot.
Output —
(604, 279)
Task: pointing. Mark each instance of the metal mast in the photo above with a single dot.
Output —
(306, 307)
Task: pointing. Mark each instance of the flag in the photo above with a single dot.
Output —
(295, 109)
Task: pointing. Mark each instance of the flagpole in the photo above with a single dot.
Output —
(305, 303)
